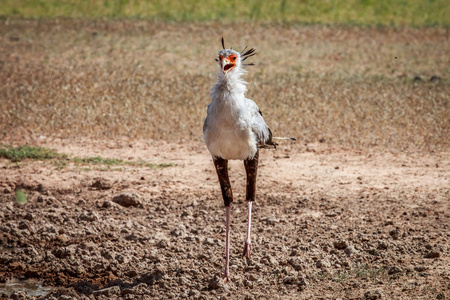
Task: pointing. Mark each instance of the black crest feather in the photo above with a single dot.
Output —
(248, 54)
(223, 44)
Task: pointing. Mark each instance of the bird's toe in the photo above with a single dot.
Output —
(247, 250)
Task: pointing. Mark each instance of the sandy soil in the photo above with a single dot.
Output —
(328, 223)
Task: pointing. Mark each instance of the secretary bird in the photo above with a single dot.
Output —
(235, 129)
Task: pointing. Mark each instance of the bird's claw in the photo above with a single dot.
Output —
(226, 278)
(247, 250)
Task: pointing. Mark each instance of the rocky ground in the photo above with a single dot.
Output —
(328, 223)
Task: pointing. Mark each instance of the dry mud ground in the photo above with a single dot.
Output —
(328, 223)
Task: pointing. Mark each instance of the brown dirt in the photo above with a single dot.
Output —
(328, 223)
(358, 208)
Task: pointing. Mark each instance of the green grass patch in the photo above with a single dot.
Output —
(362, 12)
(21, 197)
(360, 271)
(97, 160)
(20, 153)
(143, 163)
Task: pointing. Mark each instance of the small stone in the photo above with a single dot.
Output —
(88, 216)
(208, 241)
(323, 263)
(177, 232)
(128, 199)
(19, 295)
(290, 280)
(435, 78)
(432, 254)
(340, 244)
(25, 225)
(216, 282)
(302, 283)
(109, 292)
(349, 250)
(272, 220)
(382, 245)
(131, 273)
(63, 252)
(108, 204)
(29, 217)
(394, 270)
(194, 293)
(372, 295)
(162, 244)
(420, 268)
(101, 184)
(296, 263)
(394, 234)
(270, 260)
(252, 277)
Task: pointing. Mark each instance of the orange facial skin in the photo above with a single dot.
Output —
(228, 63)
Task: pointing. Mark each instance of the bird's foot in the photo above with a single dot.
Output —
(226, 278)
(247, 250)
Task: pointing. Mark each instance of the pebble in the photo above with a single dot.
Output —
(394, 270)
(290, 280)
(88, 216)
(349, 250)
(432, 254)
(340, 244)
(323, 263)
(394, 234)
(108, 204)
(372, 295)
(216, 282)
(420, 268)
(208, 241)
(296, 263)
(109, 292)
(102, 184)
(128, 199)
(194, 293)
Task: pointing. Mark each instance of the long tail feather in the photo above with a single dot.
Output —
(284, 138)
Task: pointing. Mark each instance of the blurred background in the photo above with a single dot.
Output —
(353, 12)
(355, 73)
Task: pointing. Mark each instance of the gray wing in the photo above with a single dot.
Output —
(259, 126)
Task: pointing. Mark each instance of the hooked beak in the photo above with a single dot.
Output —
(227, 65)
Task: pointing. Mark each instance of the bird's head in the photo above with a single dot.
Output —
(230, 60)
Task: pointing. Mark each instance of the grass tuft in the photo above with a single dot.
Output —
(97, 160)
(21, 197)
(20, 153)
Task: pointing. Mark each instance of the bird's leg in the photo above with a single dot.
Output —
(251, 168)
(248, 244)
(222, 172)
(227, 246)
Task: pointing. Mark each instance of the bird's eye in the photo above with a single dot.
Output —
(234, 57)
(220, 57)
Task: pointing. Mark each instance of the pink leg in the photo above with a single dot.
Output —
(227, 246)
(248, 243)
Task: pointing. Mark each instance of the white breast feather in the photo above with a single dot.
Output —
(234, 124)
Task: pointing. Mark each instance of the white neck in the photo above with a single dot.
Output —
(229, 86)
